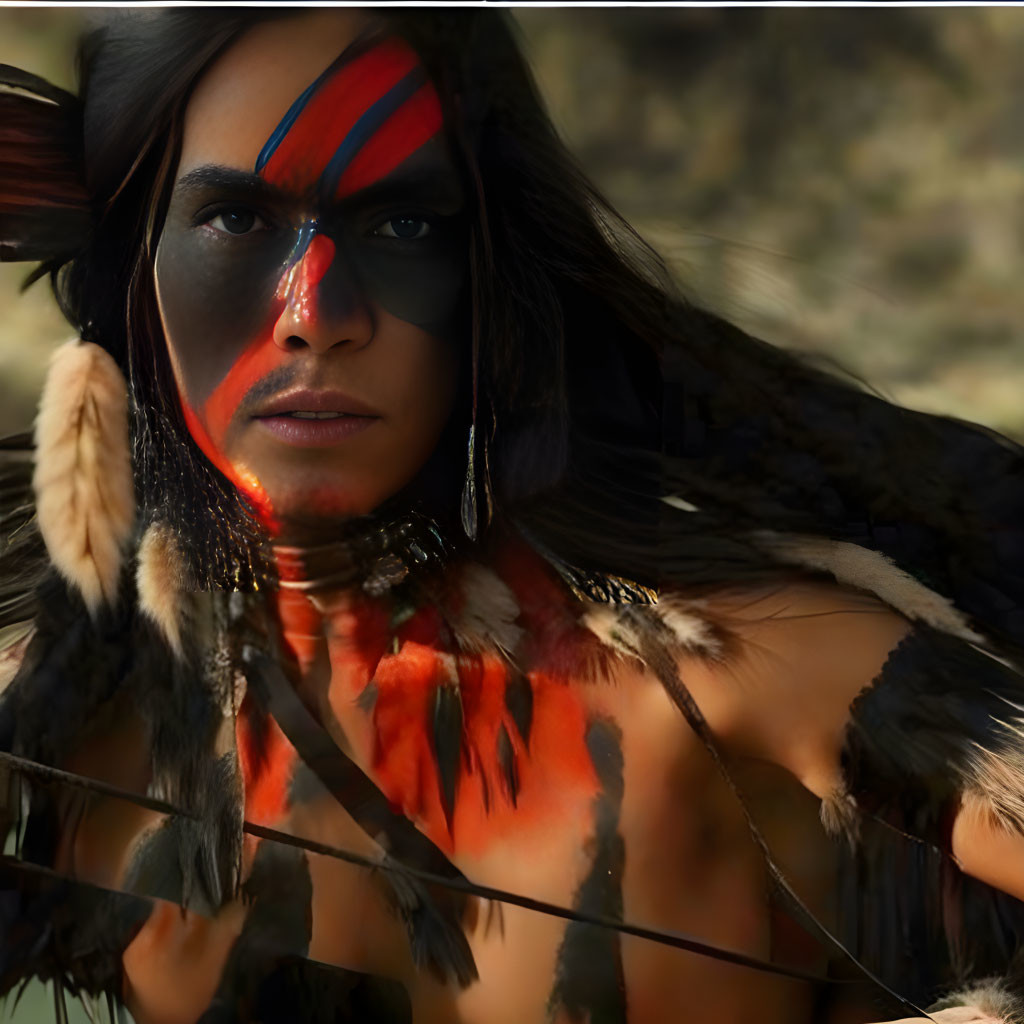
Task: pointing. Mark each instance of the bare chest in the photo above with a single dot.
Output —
(618, 812)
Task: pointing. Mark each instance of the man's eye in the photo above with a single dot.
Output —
(236, 221)
(403, 227)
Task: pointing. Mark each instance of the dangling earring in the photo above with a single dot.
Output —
(469, 510)
(476, 453)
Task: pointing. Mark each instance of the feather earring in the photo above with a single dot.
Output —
(85, 499)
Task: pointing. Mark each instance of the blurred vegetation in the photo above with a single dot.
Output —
(847, 182)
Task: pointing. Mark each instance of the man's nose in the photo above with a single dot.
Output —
(314, 318)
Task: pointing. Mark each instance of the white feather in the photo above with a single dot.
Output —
(85, 500)
(874, 572)
(683, 618)
(990, 999)
(604, 621)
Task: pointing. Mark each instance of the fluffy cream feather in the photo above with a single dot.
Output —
(160, 580)
(839, 814)
(989, 1001)
(605, 622)
(683, 617)
(85, 500)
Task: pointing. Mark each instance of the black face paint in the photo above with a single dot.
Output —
(359, 163)
(220, 291)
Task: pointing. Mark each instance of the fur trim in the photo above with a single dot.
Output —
(85, 499)
(855, 566)
(160, 579)
(989, 998)
(487, 612)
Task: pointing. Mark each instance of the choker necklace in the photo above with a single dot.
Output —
(375, 553)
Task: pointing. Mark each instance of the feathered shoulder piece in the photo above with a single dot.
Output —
(45, 210)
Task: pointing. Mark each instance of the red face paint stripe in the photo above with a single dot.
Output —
(330, 114)
(255, 362)
(315, 263)
(248, 485)
(252, 365)
(416, 122)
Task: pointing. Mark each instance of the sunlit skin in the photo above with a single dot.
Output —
(279, 297)
(306, 305)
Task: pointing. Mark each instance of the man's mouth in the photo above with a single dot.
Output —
(308, 414)
(309, 418)
(313, 403)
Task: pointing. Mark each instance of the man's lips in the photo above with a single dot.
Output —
(314, 419)
(314, 401)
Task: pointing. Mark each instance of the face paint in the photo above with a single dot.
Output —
(358, 121)
(354, 208)
(366, 117)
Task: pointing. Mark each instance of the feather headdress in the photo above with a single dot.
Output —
(45, 211)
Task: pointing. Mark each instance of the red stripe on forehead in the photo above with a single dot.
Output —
(417, 121)
(333, 110)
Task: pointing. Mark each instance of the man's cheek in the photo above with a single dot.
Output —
(222, 410)
(241, 476)
(215, 423)
(214, 305)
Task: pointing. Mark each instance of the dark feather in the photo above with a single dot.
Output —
(181, 703)
(194, 862)
(507, 764)
(519, 701)
(71, 668)
(432, 917)
(56, 928)
(446, 731)
(435, 941)
(917, 739)
(75, 668)
(267, 976)
(45, 209)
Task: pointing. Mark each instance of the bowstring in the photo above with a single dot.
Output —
(676, 940)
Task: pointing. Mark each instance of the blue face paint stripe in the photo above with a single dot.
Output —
(356, 48)
(278, 134)
(305, 235)
(366, 127)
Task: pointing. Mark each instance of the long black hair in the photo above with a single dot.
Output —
(624, 429)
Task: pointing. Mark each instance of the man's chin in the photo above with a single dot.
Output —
(303, 513)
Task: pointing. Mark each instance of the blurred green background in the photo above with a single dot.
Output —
(848, 182)
(842, 181)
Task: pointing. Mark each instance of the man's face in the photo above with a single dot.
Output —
(312, 265)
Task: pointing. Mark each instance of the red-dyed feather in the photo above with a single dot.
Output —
(44, 204)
